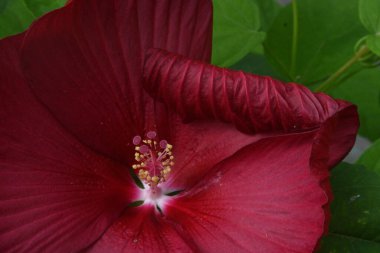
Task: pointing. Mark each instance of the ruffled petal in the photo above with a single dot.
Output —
(333, 141)
(84, 62)
(56, 195)
(146, 232)
(264, 198)
(255, 104)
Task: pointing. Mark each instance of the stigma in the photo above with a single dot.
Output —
(154, 159)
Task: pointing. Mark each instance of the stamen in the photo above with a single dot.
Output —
(163, 143)
(143, 149)
(151, 135)
(153, 161)
(136, 140)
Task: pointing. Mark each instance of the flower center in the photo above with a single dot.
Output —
(154, 159)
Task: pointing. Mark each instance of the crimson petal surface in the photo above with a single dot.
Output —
(146, 232)
(56, 195)
(198, 147)
(84, 62)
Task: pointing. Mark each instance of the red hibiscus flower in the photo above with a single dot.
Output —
(231, 162)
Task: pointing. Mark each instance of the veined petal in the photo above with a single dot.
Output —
(84, 62)
(263, 199)
(146, 232)
(199, 146)
(56, 195)
(255, 104)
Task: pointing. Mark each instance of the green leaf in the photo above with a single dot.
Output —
(327, 33)
(369, 13)
(336, 243)
(3, 4)
(236, 25)
(363, 89)
(355, 222)
(14, 18)
(40, 7)
(17, 15)
(373, 43)
(371, 157)
(256, 64)
(268, 10)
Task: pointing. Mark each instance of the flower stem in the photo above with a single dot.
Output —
(294, 39)
(330, 82)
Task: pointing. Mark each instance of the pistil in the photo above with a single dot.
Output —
(154, 159)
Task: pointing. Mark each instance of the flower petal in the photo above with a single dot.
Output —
(84, 62)
(146, 232)
(264, 198)
(198, 147)
(253, 103)
(56, 195)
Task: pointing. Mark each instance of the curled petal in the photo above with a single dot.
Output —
(255, 104)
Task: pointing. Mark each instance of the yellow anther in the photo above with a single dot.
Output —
(171, 163)
(134, 166)
(155, 179)
(142, 175)
(171, 157)
(137, 148)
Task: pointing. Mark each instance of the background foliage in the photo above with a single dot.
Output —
(328, 45)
